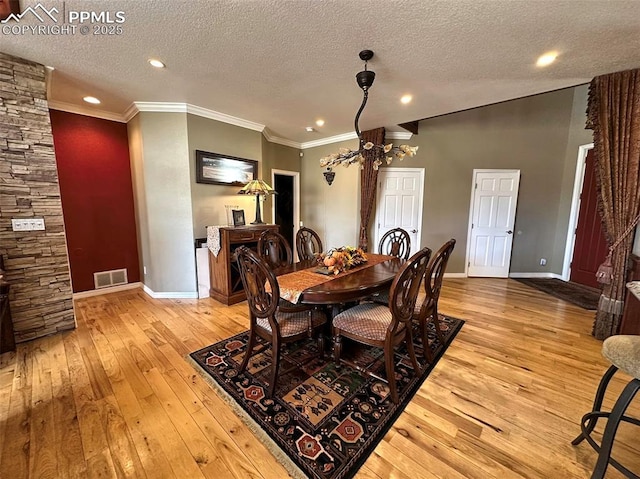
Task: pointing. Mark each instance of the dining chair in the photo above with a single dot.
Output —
(395, 242)
(274, 249)
(308, 244)
(267, 320)
(385, 327)
(426, 308)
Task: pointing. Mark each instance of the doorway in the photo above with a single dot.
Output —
(399, 205)
(286, 203)
(589, 246)
(494, 197)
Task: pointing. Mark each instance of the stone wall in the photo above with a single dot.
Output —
(36, 261)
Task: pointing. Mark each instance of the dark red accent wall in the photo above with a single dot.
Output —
(97, 196)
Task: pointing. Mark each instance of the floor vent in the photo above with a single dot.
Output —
(115, 277)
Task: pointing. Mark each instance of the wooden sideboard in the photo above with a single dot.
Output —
(631, 314)
(225, 283)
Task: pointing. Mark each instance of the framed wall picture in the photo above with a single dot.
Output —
(238, 217)
(217, 169)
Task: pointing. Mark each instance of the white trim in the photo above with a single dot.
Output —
(327, 141)
(79, 110)
(174, 107)
(575, 210)
(170, 295)
(110, 289)
(398, 135)
(455, 275)
(296, 203)
(281, 141)
(535, 275)
(382, 172)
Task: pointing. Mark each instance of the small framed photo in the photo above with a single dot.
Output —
(238, 217)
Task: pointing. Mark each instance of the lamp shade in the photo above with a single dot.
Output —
(256, 187)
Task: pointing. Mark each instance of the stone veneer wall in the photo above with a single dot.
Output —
(36, 261)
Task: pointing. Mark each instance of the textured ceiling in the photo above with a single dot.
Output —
(285, 63)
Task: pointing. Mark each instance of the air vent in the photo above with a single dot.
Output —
(104, 279)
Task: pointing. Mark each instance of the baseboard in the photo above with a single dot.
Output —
(455, 275)
(107, 290)
(170, 295)
(535, 275)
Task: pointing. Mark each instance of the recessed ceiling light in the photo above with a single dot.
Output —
(547, 59)
(320, 122)
(310, 129)
(406, 99)
(91, 99)
(156, 63)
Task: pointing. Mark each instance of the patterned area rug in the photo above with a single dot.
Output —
(578, 294)
(323, 422)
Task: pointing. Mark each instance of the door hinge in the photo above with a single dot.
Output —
(469, 264)
(472, 226)
(476, 187)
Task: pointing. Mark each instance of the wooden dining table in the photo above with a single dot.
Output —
(355, 284)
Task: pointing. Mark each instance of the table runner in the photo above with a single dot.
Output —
(292, 285)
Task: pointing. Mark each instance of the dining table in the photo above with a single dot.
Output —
(306, 282)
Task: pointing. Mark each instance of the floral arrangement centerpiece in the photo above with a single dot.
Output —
(341, 259)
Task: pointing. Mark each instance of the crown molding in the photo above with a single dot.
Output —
(329, 140)
(398, 135)
(281, 141)
(79, 110)
(169, 107)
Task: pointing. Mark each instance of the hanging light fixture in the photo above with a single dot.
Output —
(389, 152)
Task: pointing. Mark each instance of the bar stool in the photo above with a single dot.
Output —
(623, 352)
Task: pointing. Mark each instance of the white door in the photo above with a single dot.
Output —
(493, 214)
(399, 204)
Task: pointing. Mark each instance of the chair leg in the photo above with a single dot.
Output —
(247, 354)
(391, 374)
(275, 364)
(436, 324)
(321, 344)
(613, 422)
(412, 352)
(337, 348)
(597, 405)
(426, 349)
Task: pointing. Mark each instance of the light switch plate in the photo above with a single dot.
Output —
(27, 224)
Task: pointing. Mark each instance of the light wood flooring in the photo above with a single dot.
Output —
(116, 397)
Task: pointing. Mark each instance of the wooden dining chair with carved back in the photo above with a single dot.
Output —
(308, 244)
(426, 309)
(267, 320)
(274, 249)
(388, 326)
(395, 242)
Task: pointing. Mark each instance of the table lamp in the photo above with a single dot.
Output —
(257, 187)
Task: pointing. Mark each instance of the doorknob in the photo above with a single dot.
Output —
(509, 232)
(414, 231)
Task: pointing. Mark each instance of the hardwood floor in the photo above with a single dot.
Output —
(116, 397)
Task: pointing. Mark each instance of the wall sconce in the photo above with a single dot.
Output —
(329, 175)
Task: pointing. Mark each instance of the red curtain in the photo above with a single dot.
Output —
(613, 113)
(368, 183)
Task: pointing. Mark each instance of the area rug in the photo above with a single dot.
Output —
(578, 294)
(323, 422)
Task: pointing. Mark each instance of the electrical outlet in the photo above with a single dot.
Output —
(144, 269)
(543, 261)
(27, 224)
